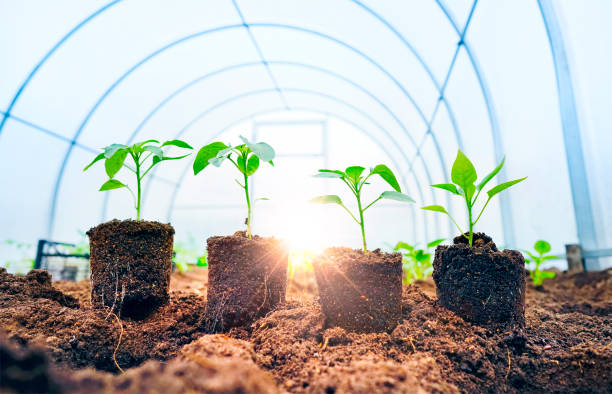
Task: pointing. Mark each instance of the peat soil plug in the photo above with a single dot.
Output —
(247, 274)
(360, 290)
(131, 260)
(473, 278)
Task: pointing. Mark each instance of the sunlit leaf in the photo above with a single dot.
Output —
(113, 164)
(542, 247)
(463, 172)
(327, 199)
(435, 208)
(110, 150)
(490, 176)
(155, 150)
(206, 153)
(354, 172)
(447, 186)
(94, 161)
(504, 186)
(179, 143)
(111, 184)
(385, 173)
(435, 243)
(264, 151)
(397, 196)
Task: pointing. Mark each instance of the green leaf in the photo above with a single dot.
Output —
(385, 173)
(435, 243)
(403, 245)
(542, 247)
(111, 184)
(157, 159)
(94, 161)
(504, 186)
(551, 258)
(447, 186)
(252, 165)
(264, 151)
(206, 153)
(397, 196)
(217, 161)
(115, 162)
(487, 178)
(110, 150)
(179, 143)
(435, 208)
(156, 151)
(263, 199)
(326, 174)
(354, 172)
(328, 199)
(469, 192)
(547, 274)
(463, 172)
(140, 144)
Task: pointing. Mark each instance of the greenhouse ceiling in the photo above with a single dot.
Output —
(329, 84)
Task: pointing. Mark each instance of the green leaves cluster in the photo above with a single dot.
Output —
(245, 157)
(145, 155)
(464, 177)
(354, 179)
(416, 263)
(541, 249)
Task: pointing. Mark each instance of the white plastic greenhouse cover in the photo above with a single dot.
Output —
(329, 84)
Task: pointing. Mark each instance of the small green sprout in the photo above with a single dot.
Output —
(355, 181)
(245, 158)
(186, 255)
(537, 276)
(463, 175)
(114, 160)
(416, 262)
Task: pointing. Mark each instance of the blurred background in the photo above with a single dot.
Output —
(328, 84)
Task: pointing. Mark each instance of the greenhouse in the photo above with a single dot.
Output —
(262, 196)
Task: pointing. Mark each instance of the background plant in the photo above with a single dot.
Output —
(245, 158)
(537, 276)
(22, 264)
(353, 179)
(187, 254)
(463, 176)
(114, 157)
(416, 263)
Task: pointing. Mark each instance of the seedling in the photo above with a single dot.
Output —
(355, 181)
(538, 276)
(416, 262)
(463, 175)
(114, 157)
(245, 158)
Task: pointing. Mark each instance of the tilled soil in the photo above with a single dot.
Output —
(566, 344)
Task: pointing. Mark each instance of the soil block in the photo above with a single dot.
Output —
(481, 284)
(360, 291)
(130, 266)
(247, 278)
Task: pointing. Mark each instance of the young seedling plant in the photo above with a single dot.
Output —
(245, 157)
(463, 176)
(537, 276)
(352, 177)
(416, 262)
(145, 155)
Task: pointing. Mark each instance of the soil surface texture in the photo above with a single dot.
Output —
(360, 291)
(247, 279)
(480, 283)
(130, 266)
(54, 340)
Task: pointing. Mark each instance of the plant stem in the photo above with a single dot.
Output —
(470, 233)
(139, 189)
(248, 200)
(361, 224)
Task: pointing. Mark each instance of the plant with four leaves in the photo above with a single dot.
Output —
(537, 276)
(353, 178)
(114, 157)
(463, 175)
(245, 158)
(416, 262)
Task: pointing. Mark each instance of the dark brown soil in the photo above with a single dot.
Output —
(130, 266)
(565, 345)
(360, 291)
(247, 279)
(480, 283)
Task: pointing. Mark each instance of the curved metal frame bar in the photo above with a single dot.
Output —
(579, 181)
(278, 110)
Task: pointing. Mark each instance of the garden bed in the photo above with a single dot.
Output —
(566, 344)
